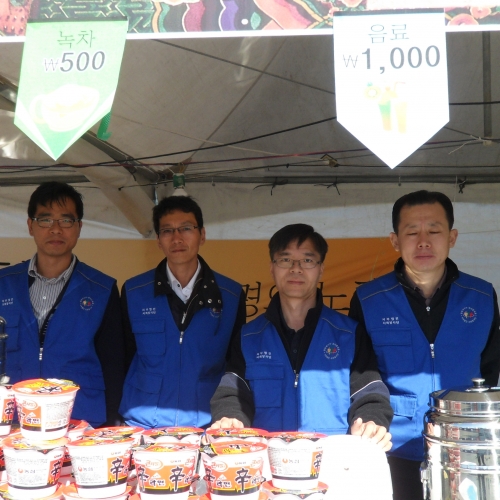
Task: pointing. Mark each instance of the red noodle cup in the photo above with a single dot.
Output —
(272, 492)
(233, 469)
(295, 459)
(3, 470)
(165, 469)
(4, 493)
(100, 465)
(118, 432)
(69, 492)
(235, 434)
(7, 407)
(44, 407)
(75, 431)
(33, 470)
(173, 435)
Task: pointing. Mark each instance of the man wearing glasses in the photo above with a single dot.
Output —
(179, 320)
(63, 317)
(307, 367)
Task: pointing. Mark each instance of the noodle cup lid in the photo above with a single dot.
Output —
(87, 441)
(77, 425)
(178, 432)
(268, 487)
(18, 442)
(235, 432)
(294, 436)
(168, 447)
(114, 432)
(45, 387)
(70, 491)
(232, 448)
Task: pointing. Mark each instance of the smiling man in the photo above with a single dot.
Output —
(307, 367)
(432, 326)
(179, 320)
(63, 317)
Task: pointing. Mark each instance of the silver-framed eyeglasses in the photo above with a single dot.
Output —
(183, 230)
(286, 263)
(46, 222)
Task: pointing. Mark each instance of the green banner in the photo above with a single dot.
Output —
(69, 75)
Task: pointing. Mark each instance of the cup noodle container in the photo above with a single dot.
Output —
(100, 465)
(173, 435)
(7, 407)
(247, 434)
(44, 407)
(75, 432)
(119, 433)
(274, 493)
(3, 470)
(4, 493)
(69, 492)
(33, 470)
(233, 469)
(165, 470)
(295, 459)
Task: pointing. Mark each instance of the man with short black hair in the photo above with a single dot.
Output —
(63, 317)
(179, 320)
(432, 326)
(305, 365)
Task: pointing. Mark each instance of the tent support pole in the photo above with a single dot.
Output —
(487, 124)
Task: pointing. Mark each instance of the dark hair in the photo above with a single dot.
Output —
(299, 233)
(51, 192)
(422, 198)
(170, 204)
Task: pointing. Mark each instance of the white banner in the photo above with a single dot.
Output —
(391, 81)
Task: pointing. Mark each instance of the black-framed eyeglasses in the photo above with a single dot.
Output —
(185, 230)
(64, 223)
(286, 263)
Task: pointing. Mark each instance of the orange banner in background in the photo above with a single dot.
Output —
(348, 263)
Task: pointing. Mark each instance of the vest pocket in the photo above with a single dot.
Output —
(150, 336)
(266, 382)
(394, 350)
(404, 405)
(12, 330)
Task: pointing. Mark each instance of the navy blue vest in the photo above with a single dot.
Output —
(170, 383)
(68, 351)
(409, 366)
(319, 399)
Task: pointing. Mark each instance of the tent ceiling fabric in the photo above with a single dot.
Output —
(175, 97)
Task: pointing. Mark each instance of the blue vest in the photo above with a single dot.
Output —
(68, 350)
(409, 366)
(170, 383)
(319, 398)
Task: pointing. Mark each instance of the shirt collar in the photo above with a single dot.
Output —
(64, 276)
(182, 292)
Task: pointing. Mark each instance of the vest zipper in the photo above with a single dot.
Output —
(296, 382)
(432, 351)
(40, 355)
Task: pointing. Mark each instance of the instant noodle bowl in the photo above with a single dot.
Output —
(3, 471)
(118, 432)
(295, 459)
(233, 469)
(247, 434)
(69, 492)
(44, 407)
(4, 493)
(232, 433)
(75, 432)
(173, 435)
(165, 469)
(272, 492)
(7, 407)
(100, 465)
(33, 470)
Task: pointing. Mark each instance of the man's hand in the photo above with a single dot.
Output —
(370, 430)
(225, 423)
